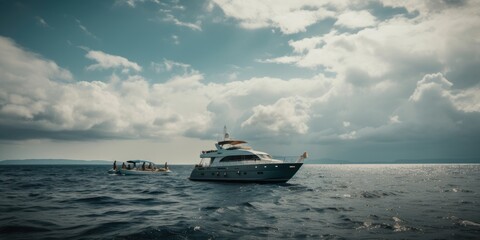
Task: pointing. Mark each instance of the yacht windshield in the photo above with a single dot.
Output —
(265, 156)
(240, 158)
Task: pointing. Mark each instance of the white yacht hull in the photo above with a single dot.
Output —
(272, 172)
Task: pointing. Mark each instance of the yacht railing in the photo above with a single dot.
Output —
(244, 162)
(287, 159)
(247, 162)
(206, 162)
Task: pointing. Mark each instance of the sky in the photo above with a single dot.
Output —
(158, 80)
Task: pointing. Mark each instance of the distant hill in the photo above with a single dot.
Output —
(55, 162)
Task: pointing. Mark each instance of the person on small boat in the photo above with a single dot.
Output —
(115, 165)
(143, 166)
(124, 166)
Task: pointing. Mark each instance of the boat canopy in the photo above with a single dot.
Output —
(139, 161)
(231, 142)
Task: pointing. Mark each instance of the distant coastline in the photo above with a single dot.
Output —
(308, 161)
(54, 162)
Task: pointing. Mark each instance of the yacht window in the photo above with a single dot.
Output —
(240, 158)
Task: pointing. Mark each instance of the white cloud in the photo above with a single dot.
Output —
(42, 22)
(233, 76)
(425, 7)
(468, 100)
(179, 82)
(340, 52)
(286, 116)
(27, 65)
(356, 19)
(289, 16)
(398, 44)
(133, 3)
(172, 66)
(129, 107)
(431, 82)
(436, 86)
(175, 39)
(395, 119)
(305, 44)
(433, 112)
(194, 26)
(283, 60)
(85, 30)
(107, 61)
(348, 136)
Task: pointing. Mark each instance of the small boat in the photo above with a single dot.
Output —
(234, 162)
(138, 167)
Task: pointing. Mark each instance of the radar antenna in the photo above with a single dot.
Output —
(226, 136)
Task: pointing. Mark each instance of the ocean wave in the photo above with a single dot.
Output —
(376, 194)
(179, 231)
(469, 223)
(108, 227)
(328, 209)
(363, 202)
(95, 200)
(22, 229)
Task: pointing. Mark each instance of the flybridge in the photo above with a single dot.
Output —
(231, 142)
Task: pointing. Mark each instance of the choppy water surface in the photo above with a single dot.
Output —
(321, 201)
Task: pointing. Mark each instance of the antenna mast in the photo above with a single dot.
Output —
(226, 136)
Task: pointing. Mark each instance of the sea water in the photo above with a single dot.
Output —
(319, 202)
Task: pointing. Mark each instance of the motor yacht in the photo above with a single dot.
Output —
(233, 161)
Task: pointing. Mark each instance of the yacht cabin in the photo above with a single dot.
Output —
(233, 152)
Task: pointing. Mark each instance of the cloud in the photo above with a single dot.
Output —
(430, 82)
(435, 86)
(289, 16)
(85, 30)
(27, 65)
(194, 26)
(356, 19)
(172, 66)
(42, 22)
(133, 3)
(400, 80)
(284, 60)
(401, 44)
(285, 117)
(107, 61)
(433, 112)
(425, 7)
(38, 99)
(305, 44)
(175, 39)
